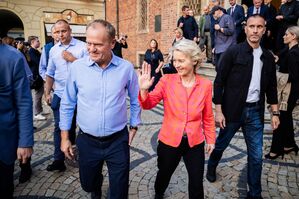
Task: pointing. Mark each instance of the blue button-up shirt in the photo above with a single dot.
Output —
(58, 68)
(100, 95)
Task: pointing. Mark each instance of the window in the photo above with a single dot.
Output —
(142, 15)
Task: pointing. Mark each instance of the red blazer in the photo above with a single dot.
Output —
(193, 115)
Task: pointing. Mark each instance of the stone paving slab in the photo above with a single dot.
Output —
(280, 178)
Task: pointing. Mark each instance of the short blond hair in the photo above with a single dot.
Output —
(189, 48)
(179, 29)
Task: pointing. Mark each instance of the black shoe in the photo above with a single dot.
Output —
(295, 149)
(268, 156)
(211, 174)
(26, 172)
(96, 195)
(57, 165)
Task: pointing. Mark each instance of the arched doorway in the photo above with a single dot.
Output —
(10, 24)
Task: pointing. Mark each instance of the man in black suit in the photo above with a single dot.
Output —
(247, 74)
(237, 13)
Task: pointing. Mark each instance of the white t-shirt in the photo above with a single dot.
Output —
(255, 82)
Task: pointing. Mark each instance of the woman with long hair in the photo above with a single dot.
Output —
(154, 57)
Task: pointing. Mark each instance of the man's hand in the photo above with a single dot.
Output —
(217, 27)
(220, 119)
(68, 56)
(48, 98)
(24, 154)
(279, 17)
(66, 145)
(132, 133)
(210, 148)
(66, 148)
(275, 122)
(181, 24)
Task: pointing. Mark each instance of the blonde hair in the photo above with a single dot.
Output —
(179, 29)
(189, 48)
(294, 30)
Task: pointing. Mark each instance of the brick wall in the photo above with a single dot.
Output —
(138, 42)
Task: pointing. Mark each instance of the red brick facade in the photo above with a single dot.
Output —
(138, 41)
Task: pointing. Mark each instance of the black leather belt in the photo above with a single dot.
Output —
(252, 104)
(104, 138)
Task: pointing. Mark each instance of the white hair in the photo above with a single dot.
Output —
(189, 48)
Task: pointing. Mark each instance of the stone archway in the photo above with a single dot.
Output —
(10, 24)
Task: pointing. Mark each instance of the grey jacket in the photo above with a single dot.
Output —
(225, 39)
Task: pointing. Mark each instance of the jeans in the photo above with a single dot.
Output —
(252, 128)
(55, 105)
(115, 152)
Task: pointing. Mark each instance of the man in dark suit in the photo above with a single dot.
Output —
(237, 13)
(247, 74)
(16, 129)
(259, 8)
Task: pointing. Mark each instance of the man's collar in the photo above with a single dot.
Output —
(113, 62)
(72, 43)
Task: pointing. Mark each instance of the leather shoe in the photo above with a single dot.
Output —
(26, 172)
(211, 174)
(57, 165)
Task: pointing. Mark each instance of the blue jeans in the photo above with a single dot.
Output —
(55, 105)
(252, 128)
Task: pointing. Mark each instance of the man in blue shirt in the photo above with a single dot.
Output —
(67, 50)
(16, 129)
(44, 59)
(98, 85)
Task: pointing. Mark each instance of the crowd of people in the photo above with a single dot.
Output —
(74, 76)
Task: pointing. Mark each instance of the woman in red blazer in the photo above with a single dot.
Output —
(188, 117)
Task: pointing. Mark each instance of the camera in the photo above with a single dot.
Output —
(122, 36)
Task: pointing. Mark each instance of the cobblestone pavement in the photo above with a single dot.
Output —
(280, 178)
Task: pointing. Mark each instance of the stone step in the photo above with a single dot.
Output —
(207, 70)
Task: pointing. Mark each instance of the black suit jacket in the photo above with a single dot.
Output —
(238, 16)
(232, 82)
(264, 11)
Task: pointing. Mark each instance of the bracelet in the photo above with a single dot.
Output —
(275, 113)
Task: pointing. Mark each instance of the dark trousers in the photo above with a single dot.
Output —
(252, 128)
(55, 105)
(168, 160)
(284, 135)
(156, 80)
(115, 152)
(6, 181)
(217, 61)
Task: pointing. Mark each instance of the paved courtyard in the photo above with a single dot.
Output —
(280, 178)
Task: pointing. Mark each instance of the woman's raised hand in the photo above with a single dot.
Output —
(144, 77)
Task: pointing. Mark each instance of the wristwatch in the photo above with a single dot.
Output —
(275, 113)
(133, 127)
